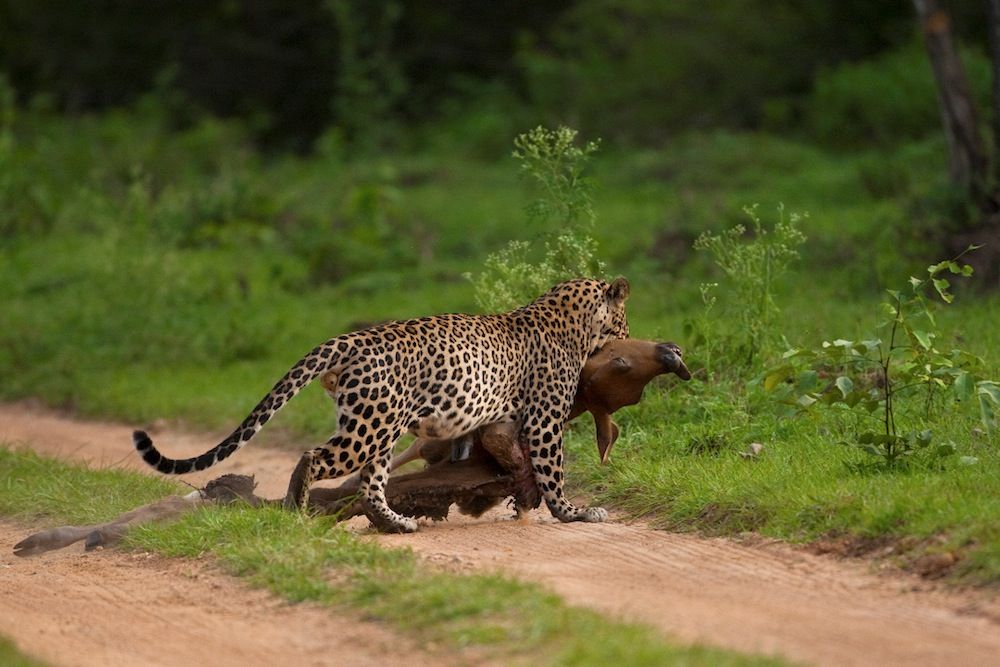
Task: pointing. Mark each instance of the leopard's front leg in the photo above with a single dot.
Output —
(543, 430)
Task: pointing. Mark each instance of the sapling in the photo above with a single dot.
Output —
(902, 368)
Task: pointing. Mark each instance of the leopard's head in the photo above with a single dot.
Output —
(612, 320)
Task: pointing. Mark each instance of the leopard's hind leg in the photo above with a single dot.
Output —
(346, 452)
(374, 477)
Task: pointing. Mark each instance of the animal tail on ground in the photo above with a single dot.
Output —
(329, 355)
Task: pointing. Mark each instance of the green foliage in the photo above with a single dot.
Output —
(640, 70)
(886, 100)
(877, 377)
(34, 487)
(751, 268)
(9, 187)
(512, 277)
(552, 160)
(368, 231)
(370, 82)
(11, 657)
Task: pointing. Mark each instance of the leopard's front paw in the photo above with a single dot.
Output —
(402, 524)
(567, 513)
(594, 515)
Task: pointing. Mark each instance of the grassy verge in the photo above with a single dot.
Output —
(34, 487)
(11, 657)
(680, 459)
(301, 558)
(804, 487)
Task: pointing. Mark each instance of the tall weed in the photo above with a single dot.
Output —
(563, 211)
(750, 267)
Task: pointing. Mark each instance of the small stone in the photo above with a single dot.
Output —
(753, 450)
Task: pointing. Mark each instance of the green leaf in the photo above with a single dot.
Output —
(987, 414)
(867, 346)
(874, 404)
(806, 400)
(806, 381)
(988, 393)
(845, 385)
(923, 338)
(990, 389)
(962, 386)
(777, 376)
(942, 285)
(935, 269)
(921, 439)
(916, 282)
(873, 450)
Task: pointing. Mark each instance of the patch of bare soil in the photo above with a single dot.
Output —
(115, 608)
(766, 598)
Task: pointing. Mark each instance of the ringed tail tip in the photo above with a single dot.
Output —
(144, 445)
(141, 440)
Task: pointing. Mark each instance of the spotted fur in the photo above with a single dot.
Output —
(441, 377)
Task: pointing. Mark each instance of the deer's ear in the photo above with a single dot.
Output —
(617, 292)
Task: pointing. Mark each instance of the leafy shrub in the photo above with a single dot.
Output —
(640, 70)
(367, 233)
(750, 268)
(370, 82)
(887, 378)
(887, 100)
(552, 161)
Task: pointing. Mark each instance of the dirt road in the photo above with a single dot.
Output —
(768, 598)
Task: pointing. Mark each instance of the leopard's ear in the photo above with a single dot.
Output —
(617, 291)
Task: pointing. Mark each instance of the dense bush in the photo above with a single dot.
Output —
(634, 69)
(643, 69)
(886, 100)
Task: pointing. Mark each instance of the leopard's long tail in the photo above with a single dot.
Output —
(329, 356)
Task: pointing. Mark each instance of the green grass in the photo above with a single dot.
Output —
(302, 558)
(678, 461)
(34, 487)
(11, 657)
(182, 283)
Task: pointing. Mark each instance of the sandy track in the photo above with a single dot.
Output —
(766, 598)
(113, 608)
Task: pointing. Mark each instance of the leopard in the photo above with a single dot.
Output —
(440, 377)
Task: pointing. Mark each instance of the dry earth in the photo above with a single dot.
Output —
(762, 598)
